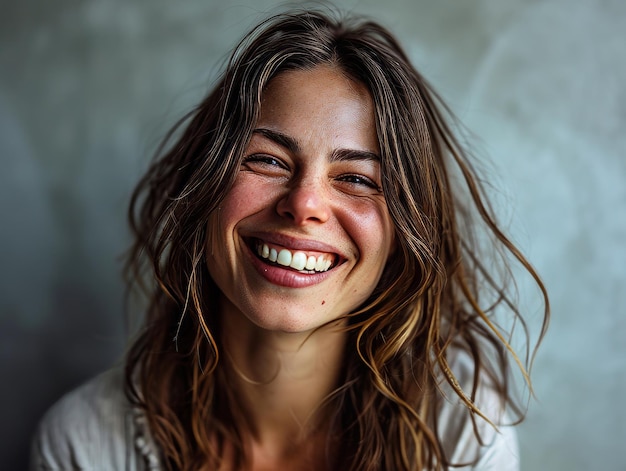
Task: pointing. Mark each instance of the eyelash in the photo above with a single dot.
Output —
(265, 159)
(350, 178)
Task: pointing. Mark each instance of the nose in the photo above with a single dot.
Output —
(304, 203)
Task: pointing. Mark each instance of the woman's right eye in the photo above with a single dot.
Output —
(263, 160)
(265, 164)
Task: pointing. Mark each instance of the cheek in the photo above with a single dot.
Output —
(370, 227)
(243, 199)
(238, 203)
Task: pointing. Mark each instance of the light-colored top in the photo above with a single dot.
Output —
(96, 428)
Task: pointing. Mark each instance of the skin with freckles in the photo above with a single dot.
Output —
(309, 182)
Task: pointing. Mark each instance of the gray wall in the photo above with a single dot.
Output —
(88, 87)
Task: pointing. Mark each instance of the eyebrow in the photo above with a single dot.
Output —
(281, 139)
(293, 146)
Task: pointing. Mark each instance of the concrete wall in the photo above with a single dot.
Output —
(88, 87)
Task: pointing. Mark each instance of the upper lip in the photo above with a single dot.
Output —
(295, 243)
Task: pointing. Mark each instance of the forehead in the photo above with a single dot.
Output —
(321, 102)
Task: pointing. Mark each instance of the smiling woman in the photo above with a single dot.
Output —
(316, 299)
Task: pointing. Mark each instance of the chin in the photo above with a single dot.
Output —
(289, 321)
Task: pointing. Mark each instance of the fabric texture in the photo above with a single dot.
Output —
(96, 428)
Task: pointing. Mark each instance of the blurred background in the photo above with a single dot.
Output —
(88, 87)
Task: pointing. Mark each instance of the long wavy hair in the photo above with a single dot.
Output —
(439, 292)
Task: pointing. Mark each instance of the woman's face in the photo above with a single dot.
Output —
(304, 234)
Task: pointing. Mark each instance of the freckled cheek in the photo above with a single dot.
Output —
(371, 229)
(241, 201)
(244, 200)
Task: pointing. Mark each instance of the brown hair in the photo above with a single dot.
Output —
(436, 293)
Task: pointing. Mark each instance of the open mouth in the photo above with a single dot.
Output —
(301, 261)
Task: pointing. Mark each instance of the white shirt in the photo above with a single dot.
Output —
(95, 428)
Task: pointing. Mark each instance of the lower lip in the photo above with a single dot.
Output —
(284, 276)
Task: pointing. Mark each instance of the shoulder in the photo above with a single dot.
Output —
(88, 428)
(474, 441)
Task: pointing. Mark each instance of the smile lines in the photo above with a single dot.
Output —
(297, 260)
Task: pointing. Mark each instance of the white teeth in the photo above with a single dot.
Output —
(297, 260)
(284, 257)
(310, 263)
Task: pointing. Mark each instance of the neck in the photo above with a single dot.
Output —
(282, 380)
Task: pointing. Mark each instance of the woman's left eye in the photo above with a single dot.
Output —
(356, 179)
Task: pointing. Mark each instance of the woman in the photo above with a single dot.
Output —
(316, 297)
